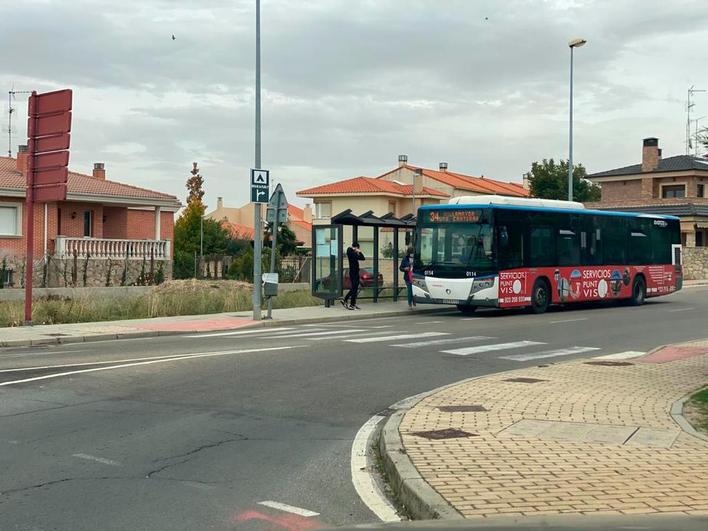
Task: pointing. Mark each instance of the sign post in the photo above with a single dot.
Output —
(48, 128)
(276, 214)
(260, 185)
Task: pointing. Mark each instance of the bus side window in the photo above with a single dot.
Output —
(542, 247)
(510, 239)
(568, 247)
(614, 232)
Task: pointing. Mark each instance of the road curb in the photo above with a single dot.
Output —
(676, 413)
(63, 340)
(421, 501)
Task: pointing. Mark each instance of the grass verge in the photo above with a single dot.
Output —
(696, 410)
(169, 299)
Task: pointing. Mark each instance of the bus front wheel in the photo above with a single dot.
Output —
(540, 297)
(639, 291)
(466, 308)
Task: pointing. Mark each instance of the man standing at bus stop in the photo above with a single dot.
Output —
(354, 255)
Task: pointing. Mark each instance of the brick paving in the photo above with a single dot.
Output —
(494, 472)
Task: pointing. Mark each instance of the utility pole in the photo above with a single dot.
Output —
(257, 229)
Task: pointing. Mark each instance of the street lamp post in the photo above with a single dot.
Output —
(257, 228)
(575, 43)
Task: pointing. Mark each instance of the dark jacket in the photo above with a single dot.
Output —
(354, 257)
(405, 264)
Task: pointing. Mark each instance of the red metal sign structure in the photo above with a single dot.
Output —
(48, 132)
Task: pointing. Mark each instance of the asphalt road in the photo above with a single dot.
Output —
(194, 432)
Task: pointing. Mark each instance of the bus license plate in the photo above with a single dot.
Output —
(450, 301)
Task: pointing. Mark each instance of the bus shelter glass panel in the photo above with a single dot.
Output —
(326, 265)
(405, 240)
(367, 277)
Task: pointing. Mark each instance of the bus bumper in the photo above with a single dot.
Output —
(467, 292)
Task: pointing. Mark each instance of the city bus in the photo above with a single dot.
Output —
(506, 252)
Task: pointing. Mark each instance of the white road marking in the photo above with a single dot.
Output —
(348, 335)
(311, 334)
(83, 364)
(362, 478)
(682, 310)
(549, 354)
(621, 355)
(441, 341)
(489, 348)
(177, 358)
(428, 322)
(569, 320)
(397, 337)
(288, 508)
(238, 333)
(101, 460)
(471, 319)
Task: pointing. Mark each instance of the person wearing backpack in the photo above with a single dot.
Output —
(406, 268)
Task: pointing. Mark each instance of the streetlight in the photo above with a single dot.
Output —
(575, 43)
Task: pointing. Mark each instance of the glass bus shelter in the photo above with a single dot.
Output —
(383, 241)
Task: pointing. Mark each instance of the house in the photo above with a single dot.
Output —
(115, 231)
(401, 190)
(239, 221)
(673, 185)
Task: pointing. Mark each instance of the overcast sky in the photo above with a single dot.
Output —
(348, 85)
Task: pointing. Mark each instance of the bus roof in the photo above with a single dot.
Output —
(481, 204)
(517, 201)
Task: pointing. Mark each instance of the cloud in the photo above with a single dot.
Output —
(348, 85)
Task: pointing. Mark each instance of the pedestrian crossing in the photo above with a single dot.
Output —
(392, 338)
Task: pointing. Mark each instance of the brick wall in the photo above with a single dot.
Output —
(116, 224)
(621, 190)
(16, 246)
(141, 225)
(72, 219)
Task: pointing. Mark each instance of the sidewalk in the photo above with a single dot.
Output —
(161, 326)
(576, 437)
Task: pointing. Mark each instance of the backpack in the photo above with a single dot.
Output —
(405, 263)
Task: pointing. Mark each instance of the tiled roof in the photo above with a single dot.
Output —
(677, 163)
(301, 223)
(238, 231)
(368, 186)
(295, 212)
(11, 179)
(481, 185)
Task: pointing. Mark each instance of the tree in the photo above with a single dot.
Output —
(190, 228)
(195, 185)
(287, 241)
(549, 180)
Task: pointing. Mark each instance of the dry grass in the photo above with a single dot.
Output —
(179, 297)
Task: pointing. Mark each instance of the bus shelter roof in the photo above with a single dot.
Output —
(368, 219)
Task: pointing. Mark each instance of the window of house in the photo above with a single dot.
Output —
(10, 219)
(701, 191)
(673, 190)
(88, 223)
(699, 238)
(392, 207)
(323, 210)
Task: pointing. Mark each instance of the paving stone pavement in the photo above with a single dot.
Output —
(552, 466)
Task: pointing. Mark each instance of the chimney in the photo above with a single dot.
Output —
(307, 213)
(418, 182)
(651, 154)
(22, 157)
(525, 182)
(219, 203)
(99, 171)
(402, 160)
(443, 166)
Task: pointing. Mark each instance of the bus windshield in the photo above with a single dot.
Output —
(454, 240)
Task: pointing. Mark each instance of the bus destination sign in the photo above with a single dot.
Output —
(453, 216)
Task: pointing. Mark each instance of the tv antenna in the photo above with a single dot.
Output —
(689, 106)
(10, 110)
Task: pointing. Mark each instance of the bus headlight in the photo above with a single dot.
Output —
(420, 283)
(480, 284)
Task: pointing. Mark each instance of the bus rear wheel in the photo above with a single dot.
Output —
(540, 297)
(466, 309)
(639, 291)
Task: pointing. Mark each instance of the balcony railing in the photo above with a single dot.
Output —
(102, 248)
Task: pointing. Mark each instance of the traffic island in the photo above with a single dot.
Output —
(598, 436)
